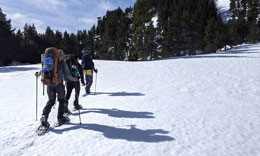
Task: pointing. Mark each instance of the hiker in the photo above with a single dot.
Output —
(52, 74)
(77, 73)
(88, 68)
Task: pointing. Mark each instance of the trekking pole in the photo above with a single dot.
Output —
(96, 83)
(79, 117)
(43, 88)
(76, 87)
(36, 96)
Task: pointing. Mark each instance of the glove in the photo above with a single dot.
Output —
(36, 74)
(95, 70)
(75, 79)
(82, 83)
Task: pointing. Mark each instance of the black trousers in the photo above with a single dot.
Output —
(70, 86)
(52, 92)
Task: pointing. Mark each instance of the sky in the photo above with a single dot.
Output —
(69, 15)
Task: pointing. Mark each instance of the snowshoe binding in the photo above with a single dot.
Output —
(44, 127)
(61, 121)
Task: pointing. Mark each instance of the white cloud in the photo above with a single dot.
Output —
(106, 5)
(88, 20)
(19, 20)
(70, 15)
(49, 5)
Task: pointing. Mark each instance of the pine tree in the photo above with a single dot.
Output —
(18, 49)
(253, 37)
(122, 38)
(222, 36)
(210, 37)
(233, 8)
(143, 30)
(58, 38)
(50, 38)
(252, 16)
(6, 35)
(65, 42)
(31, 45)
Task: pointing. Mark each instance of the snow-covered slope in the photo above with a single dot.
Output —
(223, 9)
(200, 105)
(224, 3)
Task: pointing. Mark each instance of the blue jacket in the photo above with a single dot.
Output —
(87, 62)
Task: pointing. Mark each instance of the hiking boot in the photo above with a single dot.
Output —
(87, 91)
(67, 112)
(63, 120)
(44, 122)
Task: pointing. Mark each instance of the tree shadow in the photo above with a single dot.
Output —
(9, 69)
(118, 113)
(208, 56)
(129, 134)
(243, 49)
(119, 94)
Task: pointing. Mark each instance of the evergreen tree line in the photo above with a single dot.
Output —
(152, 29)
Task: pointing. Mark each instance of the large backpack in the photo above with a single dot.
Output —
(50, 60)
(72, 64)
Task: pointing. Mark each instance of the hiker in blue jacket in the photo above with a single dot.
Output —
(88, 68)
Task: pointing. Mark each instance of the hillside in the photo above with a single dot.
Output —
(198, 105)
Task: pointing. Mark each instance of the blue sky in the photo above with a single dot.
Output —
(70, 15)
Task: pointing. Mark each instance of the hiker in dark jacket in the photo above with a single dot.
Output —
(54, 91)
(88, 68)
(77, 73)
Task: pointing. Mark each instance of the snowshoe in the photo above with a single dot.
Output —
(84, 95)
(42, 129)
(61, 121)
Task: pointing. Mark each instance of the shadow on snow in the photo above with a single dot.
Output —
(15, 69)
(119, 94)
(118, 113)
(129, 134)
(244, 49)
(208, 56)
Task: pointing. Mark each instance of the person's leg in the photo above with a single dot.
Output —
(47, 109)
(77, 92)
(61, 98)
(69, 88)
(89, 81)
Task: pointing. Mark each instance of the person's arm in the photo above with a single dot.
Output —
(93, 67)
(66, 71)
(83, 61)
(81, 73)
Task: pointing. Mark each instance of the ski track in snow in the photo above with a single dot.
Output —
(198, 105)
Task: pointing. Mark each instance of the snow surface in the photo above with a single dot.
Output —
(223, 9)
(206, 105)
(224, 3)
(155, 21)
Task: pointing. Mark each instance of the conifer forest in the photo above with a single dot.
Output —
(150, 30)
